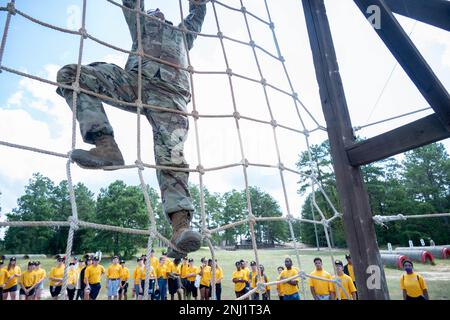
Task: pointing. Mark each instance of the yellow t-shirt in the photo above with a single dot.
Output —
(348, 285)
(183, 270)
(94, 273)
(219, 274)
(206, 276)
(351, 273)
(4, 275)
(247, 274)
(253, 281)
(124, 274)
(154, 262)
(190, 270)
(113, 271)
(413, 283)
(14, 280)
(72, 276)
(286, 288)
(56, 272)
(280, 293)
(172, 268)
(143, 271)
(321, 287)
(161, 271)
(28, 279)
(137, 274)
(241, 274)
(40, 274)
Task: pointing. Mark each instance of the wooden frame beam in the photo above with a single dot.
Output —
(413, 135)
(357, 215)
(433, 12)
(406, 53)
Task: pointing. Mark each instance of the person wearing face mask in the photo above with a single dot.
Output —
(348, 289)
(412, 284)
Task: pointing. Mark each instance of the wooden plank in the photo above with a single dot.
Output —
(413, 135)
(410, 59)
(357, 216)
(434, 12)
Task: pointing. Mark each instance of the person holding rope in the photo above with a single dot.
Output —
(163, 85)
(412, 284)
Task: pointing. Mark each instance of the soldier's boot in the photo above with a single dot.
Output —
(106, 153)
(183, 237)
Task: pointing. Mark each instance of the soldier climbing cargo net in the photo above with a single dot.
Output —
(74, 223)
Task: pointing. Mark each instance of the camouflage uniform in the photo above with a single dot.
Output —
(162, 86)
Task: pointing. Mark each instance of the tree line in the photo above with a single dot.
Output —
(419, 184)
(123, 205)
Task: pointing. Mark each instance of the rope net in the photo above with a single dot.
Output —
(74, 223)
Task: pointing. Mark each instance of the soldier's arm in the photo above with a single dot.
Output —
(130, 17)
(194, 21)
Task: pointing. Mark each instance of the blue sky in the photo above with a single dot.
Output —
(33, 114)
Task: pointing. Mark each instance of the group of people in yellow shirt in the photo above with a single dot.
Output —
(182, 278)
(178, 277)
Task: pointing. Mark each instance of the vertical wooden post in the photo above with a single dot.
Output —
(357, 216)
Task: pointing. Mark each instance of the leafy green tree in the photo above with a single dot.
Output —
(264, 205)
(123, 206)
(34, 205)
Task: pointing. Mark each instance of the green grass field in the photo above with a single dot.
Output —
(437, 276)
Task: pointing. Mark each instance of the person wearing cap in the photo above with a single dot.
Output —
(289, 288)
(4, 277)
(113, 279)
(11, 287)
(412, 284)
(93, 277)
(124, 277)
(348, 289)
(219, 278)
(137, 279)
(28, 283)
(239, 279)
(41, 274)
(56, 278)
(279, 289)
(320, 289)
(161, 275)
(191, 274)
(252, 277)
(72, 279)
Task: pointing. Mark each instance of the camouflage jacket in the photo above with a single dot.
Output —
(160, 40)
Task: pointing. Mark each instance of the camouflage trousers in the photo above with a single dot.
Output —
(169, 129)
